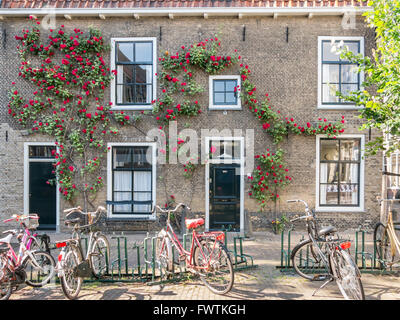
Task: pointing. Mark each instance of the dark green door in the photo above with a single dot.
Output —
(224, 210)
(42, 196)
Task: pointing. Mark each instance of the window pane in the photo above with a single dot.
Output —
(41, 151)
(353, 46)
(348, 88)
(349, 173)
(349, 194)
(143, 74)
(143, 52)
(122, 157)
(329, 150)
(329, 93)
(350, 150)
(328, 52)
(219, 85)
(230, 85)
(219, 98)
(125, 94)
(125, 52)
(330, 73)
(123, 181)
(349, 73)
(329, 172)
(328, 194)
(123, 196)
(215, 149)
(124, 74)
(143, 94)
(231, 98)
(142, 157)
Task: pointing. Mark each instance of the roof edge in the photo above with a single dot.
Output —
(148, 12)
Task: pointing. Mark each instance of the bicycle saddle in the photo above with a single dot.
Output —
(327, 230)
(72, 221)
(6, 239)
(194, 223)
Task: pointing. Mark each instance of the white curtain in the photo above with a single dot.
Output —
(120, 79)
(323, 175)
(122, 188)
(142, 182)
(149, 76)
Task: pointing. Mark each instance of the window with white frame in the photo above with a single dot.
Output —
(134, 86)
(340, 180)
(224, 92)
(336, 74)
(132, 174)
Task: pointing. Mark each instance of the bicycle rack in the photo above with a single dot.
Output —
(366, 261)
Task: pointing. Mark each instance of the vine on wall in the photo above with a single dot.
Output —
(69, 77)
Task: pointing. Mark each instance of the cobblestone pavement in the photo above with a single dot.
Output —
(263, 282)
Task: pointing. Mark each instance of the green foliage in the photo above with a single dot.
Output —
(382, 76)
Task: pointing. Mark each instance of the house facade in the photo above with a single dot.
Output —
(288, 47)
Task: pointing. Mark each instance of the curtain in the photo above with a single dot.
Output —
(120, 79)
(323, 177)
(142, 190)
(122, 189)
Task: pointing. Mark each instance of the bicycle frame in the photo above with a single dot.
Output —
(189, 258)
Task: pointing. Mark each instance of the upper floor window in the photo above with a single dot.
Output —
(134, 86)
(224, 92)
(337, 74)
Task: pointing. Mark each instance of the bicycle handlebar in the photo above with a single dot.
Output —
(17, 217)
(169, 210)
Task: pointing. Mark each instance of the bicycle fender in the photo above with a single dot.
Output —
(298, 245)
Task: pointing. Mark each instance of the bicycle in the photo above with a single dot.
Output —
(386, 242)
(207, 257)
(322, 250)
(40, 264)
(73, 264)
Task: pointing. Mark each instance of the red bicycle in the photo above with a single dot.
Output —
(207, 256)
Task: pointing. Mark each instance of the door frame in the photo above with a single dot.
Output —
(222, 161)
(26, 178)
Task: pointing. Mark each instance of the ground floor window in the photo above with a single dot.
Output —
(132, 180)
(340, 173)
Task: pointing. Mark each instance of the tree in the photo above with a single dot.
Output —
(382, 77)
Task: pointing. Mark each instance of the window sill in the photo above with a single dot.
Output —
(134, 108)
(224, 108)
(340, 209)
(338, 107)
(130, 218)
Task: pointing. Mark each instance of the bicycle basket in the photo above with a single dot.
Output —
(32, 222)
(76, 217)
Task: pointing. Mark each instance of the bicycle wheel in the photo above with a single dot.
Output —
(163, 256)
(40, 270)
(99, 257)
(307, 262)
(347, 275)
(70, 283)
(215, 266)
(5, 279)
(383, 245)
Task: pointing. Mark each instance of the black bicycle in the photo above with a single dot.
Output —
(323, 256)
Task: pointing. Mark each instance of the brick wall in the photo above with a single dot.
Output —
(286, 70)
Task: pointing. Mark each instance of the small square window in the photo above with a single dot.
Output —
(225, 93)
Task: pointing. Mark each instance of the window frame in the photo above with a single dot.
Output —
(110, 181)
(337, 105)
(146, 106)
(212, 105)
(361, 172)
